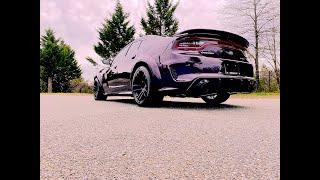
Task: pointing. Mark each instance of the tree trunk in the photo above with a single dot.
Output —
(257, 62)
(160, 25)
(278, 78)
(256, 44)
(49, 84)
(269, 81)
(275, 59)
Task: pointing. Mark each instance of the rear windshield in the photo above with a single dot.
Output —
(211, 47)
(223, 52)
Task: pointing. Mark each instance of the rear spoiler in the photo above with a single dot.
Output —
(215, 33)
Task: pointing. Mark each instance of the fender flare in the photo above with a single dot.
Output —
(96, 78)
(153, 67)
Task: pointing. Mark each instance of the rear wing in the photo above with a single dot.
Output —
(215, 34)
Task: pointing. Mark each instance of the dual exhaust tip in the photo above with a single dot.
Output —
(203, 86)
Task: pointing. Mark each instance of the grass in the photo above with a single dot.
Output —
(259, 94)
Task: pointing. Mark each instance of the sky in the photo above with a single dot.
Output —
(77, 21)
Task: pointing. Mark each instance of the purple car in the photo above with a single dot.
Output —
(195, 63)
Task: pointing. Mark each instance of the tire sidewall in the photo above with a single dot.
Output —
(98, 95)
(220, 98)
(148, 77)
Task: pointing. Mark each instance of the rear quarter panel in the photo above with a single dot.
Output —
(150, 51)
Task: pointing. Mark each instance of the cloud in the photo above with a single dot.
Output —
(77, 21)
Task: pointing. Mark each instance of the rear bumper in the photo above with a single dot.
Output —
(208, 83)
(203, 85)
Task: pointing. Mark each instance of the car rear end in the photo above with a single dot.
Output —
(200, 62)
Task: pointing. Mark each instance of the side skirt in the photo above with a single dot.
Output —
(120, 94)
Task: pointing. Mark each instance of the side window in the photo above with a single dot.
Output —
(120, 55)
(133, 49)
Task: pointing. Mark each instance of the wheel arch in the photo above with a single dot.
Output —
(152, 68)
(96, 78)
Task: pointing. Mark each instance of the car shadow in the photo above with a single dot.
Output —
(181, 105)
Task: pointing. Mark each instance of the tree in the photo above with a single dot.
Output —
(160, 20)
(58, 65)
(67, 69)
(49, 55)
(252, 18)
(271, 51)
(268, 81)
(114, 34)
(43, 84)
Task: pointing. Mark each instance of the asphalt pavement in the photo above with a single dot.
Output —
(182, 139)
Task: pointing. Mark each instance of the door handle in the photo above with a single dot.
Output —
(134, 57)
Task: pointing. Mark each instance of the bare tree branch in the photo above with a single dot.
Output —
(93, 62)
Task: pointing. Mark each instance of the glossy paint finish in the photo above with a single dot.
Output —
(178, 72)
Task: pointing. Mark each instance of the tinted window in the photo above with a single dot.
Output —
(224, 52)
(155, 45)
(121, 54)
(133, 49)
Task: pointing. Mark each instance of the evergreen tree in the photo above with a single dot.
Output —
(49, 55)
(58, 65)
(160, 20)
(67, 69)
(114, 34)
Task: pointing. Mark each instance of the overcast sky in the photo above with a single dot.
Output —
(77, 21)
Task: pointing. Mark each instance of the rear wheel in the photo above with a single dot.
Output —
(216, 98)
(98, 92)
(143, 92)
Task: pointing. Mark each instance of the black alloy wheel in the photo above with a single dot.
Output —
(98, 92)
(142, 90)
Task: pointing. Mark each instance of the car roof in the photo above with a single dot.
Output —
(154, 37)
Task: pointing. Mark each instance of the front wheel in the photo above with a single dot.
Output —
(216, 98)
(143, 92)
(98, 92)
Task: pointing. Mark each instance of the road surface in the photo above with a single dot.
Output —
(184, 139)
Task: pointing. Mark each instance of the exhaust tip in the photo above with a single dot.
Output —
(203, 86)
(203, 82)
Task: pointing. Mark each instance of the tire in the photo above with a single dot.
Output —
(143, 91)
(216, 99)
(98, 92)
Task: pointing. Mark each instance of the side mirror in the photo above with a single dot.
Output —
(107, 62)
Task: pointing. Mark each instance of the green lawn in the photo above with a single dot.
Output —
(259, 94)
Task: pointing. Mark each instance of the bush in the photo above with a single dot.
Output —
(80, 86)
(268, 82)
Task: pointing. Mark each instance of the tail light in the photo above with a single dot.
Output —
(192, 44)
(199, 43)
